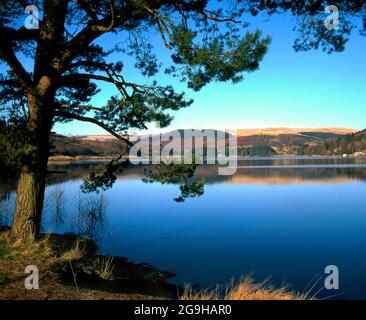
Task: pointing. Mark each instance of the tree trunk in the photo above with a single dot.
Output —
(31, 182)
(41, 99)
(29, 205)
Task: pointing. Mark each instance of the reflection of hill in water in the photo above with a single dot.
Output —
(66, 171)
(284, 175)
(78, 170)
(290, 176)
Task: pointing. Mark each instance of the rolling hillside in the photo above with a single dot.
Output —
(350, 144)
(76, 146)
(251, 142)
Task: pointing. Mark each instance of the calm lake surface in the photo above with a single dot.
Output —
(287, 218)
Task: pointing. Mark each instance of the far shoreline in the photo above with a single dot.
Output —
(64, 158)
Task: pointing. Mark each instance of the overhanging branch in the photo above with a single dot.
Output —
(8, 55)
(20, 34)
(68, 115)
(75, 76)
(79, 106)
(10, 58)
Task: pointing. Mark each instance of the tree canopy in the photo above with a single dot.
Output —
(310, 22)
(201, 52)
(206, 43)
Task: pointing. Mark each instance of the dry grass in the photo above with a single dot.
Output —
(103, 267)
(248, 290)
(41, 253)
(245, 289)
(190, 294)
(76, 252)
(39, 249)
(14, 261)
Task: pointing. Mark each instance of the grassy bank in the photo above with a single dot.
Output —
(70, 269)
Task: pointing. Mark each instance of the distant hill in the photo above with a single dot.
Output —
(251, 142)
(350, 144)
(321, 135)
(293, 131)
(101, 137)
(285, 141)
(76, 146)
(255, 132)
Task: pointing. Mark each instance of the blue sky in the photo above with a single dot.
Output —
(291, 89)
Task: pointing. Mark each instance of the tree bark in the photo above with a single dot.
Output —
(29, 205)
(31, 182)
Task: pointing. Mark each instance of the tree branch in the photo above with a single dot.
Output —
(120, 84)
(10, 82)
(216, 18)
(113, 19)
(68, 115)
(7, 54)
(76, 76)
(84, 38)
(20, 34)
(88, 9)
(79, 106)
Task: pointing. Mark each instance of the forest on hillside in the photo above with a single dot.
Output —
(348, 144)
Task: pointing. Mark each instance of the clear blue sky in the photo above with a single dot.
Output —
(303, 89)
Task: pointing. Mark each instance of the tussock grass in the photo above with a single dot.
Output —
(103, 267)
(245, 289)
(248, 290)
(208, 294)
(76, 252)
(28, 249)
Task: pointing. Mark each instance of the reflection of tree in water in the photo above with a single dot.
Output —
(87, 211)
(89, 217)
(7, 186)
(181, 174)
(56, 203)
(3, 214)
(7, 202)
